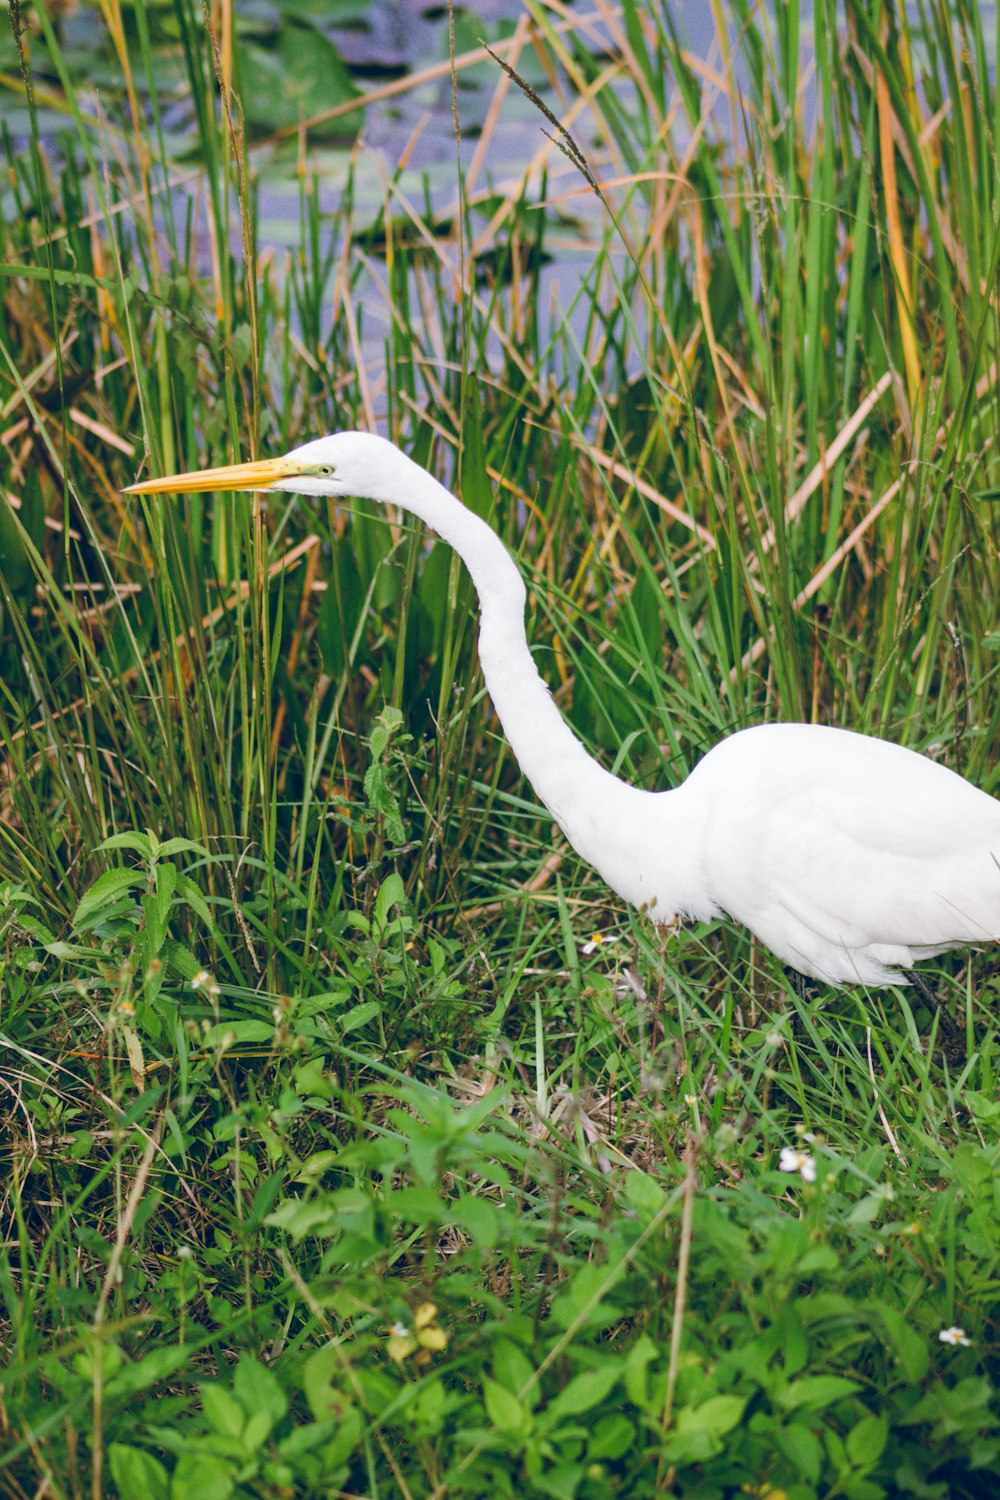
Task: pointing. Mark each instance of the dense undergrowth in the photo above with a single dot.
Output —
(341, 1157)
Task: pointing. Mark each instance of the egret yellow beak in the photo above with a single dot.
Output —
(260, 475)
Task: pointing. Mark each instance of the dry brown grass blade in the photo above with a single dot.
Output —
(621, 471)
(853, 539)
(825, 463)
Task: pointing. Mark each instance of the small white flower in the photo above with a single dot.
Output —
(955, 1336)
(202, 977)
(597, 940)
(399, 1330)
(793, 1160)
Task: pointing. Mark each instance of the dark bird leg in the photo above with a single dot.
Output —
(800, 983)
(803, 987)
(950, 1035)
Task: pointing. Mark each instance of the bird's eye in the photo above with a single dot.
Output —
(325, 470)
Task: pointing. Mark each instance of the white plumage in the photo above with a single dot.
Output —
(850, 857)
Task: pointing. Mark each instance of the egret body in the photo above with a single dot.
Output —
(852, 858)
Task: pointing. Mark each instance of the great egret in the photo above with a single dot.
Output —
(850, 857)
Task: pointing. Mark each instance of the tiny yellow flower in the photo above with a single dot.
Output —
(422, 1340)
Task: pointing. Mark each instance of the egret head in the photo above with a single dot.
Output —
(345, 463)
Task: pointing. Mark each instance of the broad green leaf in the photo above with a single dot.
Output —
(479, 1217)
(637, 1362)
(392, 892)
(139, 843)
(302, 75)
(137, 1474)
(802, 1448)
(194, 898)
(239, 1031)
(170, 847)
(504, 1410)
(866, 1441)
(360, 1015)
(222, 1410)
(816, 1391)
(513, 1368)
(201, 1475)
(166, 885)
(716, 1416)
(909, 1346)
(585, 1390)
(107, 891)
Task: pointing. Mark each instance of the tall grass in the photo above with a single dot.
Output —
(341, 1055)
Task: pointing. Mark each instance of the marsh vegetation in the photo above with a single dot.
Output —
(355, 1141)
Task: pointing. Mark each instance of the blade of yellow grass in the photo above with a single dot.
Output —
(897, 245)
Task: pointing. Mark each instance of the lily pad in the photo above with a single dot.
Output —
(298, 77)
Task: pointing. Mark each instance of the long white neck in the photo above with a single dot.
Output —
(600, 815)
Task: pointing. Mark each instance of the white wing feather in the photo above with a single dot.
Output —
(849, 856)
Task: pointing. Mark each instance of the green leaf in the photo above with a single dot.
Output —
(504, 1410)
(264, 1200)
(239, 1031)
(585, 1390)
(302, 76)
(637, 1363)
(341, 607)
(585, 1297)
(107, 891)
(166, 885)
(138, 842)
(322, 1375)
(392, 892)
(716, 1416)
(613, 1436)
(360, 1015)
(866, 1441)
(816, 1391)
(479, 1217)
(156, 930)
(802, 1448)
(477, 491)
(910, 1347)
(170, 847)
(222, 1410)
(201, 1475)
(512, 1367)
(259, 1389)
(194, 898)
(389, 721)
(137, 1474)
(644, 1193)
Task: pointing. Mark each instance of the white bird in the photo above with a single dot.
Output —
(850, 857)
